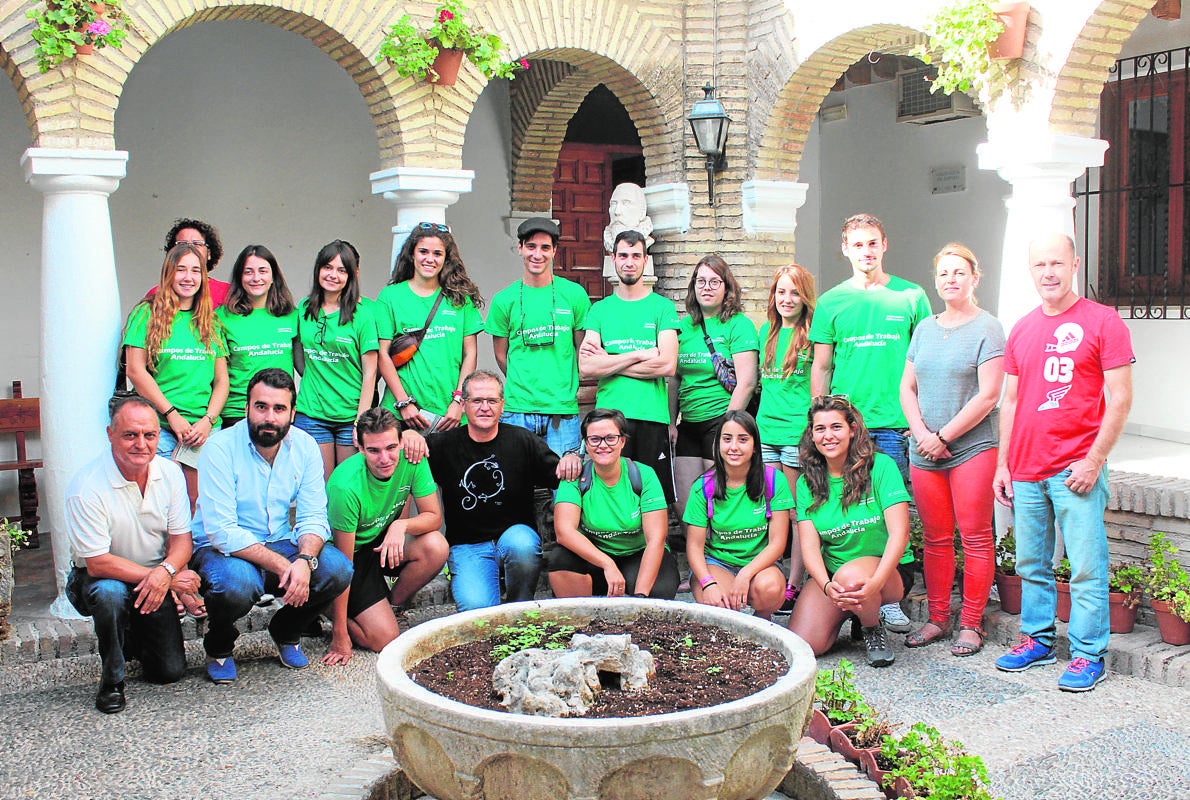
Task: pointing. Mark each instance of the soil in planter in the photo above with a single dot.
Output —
(698, 666)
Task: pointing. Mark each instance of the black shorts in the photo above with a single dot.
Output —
(697, 439)
(664, 588)
(648, 444)
(368, 586)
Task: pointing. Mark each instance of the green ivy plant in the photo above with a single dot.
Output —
(1006, 553)
(1167, 580)
(412, 52)
(935, 767)
(531, 630)
(61, 26)
(1063, 571)
(17, 536)
(1127, 577)
(960, 34)
(837, 697)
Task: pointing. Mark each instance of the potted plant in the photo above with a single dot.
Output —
(836, 701)
(867, 734)
(1169, 590)
(1125, 582)
(12, 537)
(970, 38)
(1062, 585)
(437, 52)
(66, 28)
(923, 764)
(1008, 583)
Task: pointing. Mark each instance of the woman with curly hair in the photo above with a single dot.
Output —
(715, 325)
(177, 359)
(204, 236)
(337, 356)
(853, 523)
(259, 324)
(787, 354)
(430, 289)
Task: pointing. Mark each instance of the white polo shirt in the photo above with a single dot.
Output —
(106, 513)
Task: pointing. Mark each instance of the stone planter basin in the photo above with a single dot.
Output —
(732, 751)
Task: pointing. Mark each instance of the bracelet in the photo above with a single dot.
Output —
(708, 584)
(641, 595)
(706, 580)
(456, 398)
(409, 401)
(939, 435)
(169, 411)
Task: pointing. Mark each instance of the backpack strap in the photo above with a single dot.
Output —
(708, 491)
(584, 479)
(770, 487)
(634, 479)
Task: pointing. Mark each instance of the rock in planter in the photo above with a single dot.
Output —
(732, 751)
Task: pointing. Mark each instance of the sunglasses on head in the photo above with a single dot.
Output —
(433, 226)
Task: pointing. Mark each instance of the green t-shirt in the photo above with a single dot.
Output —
(334, 375)
(185, 367)
(611, 515)
(739, 530)
(870, 329)
(255, 341)
(433, 373)
(624, 326)
(783, 401)
(359, 503)
(859, 530)
(539, 323)
(700, 395)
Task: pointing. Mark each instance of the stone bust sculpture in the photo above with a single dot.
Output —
(628, 212)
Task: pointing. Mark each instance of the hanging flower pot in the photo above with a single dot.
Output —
(1009, 588)
(1174, 629)
(1011, 43)
(1063, 600)
(1123, 615)
(445, 69)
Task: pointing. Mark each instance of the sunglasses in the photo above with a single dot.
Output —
(433, 226)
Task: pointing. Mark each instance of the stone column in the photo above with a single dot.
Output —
(80, 321)
(1040, 169)
(420, 194)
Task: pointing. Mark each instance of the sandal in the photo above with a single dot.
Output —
(963, 649)
(922, 636)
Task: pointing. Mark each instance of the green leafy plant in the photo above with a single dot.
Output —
(1062, 571)
(1127, 577)
(935, 767)
(17, 536)
(1006, 553)
(1167, 579)
(870, 731)
(529, 631)
(837, 696)
(62, 26)
(412, 52)
(960, 34)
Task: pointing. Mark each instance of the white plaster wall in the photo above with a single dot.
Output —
(1160, 380)
(808, 243)
(871, 163)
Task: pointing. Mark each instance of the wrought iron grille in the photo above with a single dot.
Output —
(1135, 210)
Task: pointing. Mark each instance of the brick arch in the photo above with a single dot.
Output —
(788, 124)
(10, 63)
(86, 92)
(1075, 106)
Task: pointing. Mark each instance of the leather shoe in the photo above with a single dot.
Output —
(110, 699)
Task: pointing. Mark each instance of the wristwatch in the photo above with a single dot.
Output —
(168, 567)
(311, 560)
(410, 401)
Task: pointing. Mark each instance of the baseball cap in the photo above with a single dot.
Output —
(537, 225)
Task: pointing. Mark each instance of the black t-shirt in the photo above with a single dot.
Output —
(487, 487)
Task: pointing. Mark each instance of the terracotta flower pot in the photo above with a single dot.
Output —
(820, 727)
(903, 788)
(869, 765)
(1009, 588)
(1123, 618)
(445, 70)
(1063, 600)
(1174, 629)
(842, 744)
(1011, 43)
(84, 49)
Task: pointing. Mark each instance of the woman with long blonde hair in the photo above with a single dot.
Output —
(177, 359)
(786, 357)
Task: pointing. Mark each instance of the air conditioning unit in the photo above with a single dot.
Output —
(916, 104)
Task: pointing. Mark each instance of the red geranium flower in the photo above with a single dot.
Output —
(445, 15)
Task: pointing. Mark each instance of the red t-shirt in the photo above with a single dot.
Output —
(219, 290)
(1059, 362)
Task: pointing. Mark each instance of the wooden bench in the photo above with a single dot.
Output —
(21, 416)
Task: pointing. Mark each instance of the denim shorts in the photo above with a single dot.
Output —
(784, 454)
(714, 562)
(325, 432)
(167, 443)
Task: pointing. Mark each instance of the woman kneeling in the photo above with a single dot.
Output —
(853, 523)
(611, 523)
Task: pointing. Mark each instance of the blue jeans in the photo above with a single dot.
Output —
(231, 586)
(893, 443)
(563, 439)
(1036, 506)
(154, 638)
(475, 569)
(325, 432)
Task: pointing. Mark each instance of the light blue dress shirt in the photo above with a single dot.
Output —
(243, 500)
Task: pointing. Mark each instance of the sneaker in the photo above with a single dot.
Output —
(221, 670)
(791, 595)
(894, 618)
(1028, 652)
(292, 657)
(880, 652)
(1082, 675)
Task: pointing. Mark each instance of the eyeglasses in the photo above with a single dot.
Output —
(827, 399)
(708, 283)
(485, 401)
(195, 243)
(611, 440)
(433, 226)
